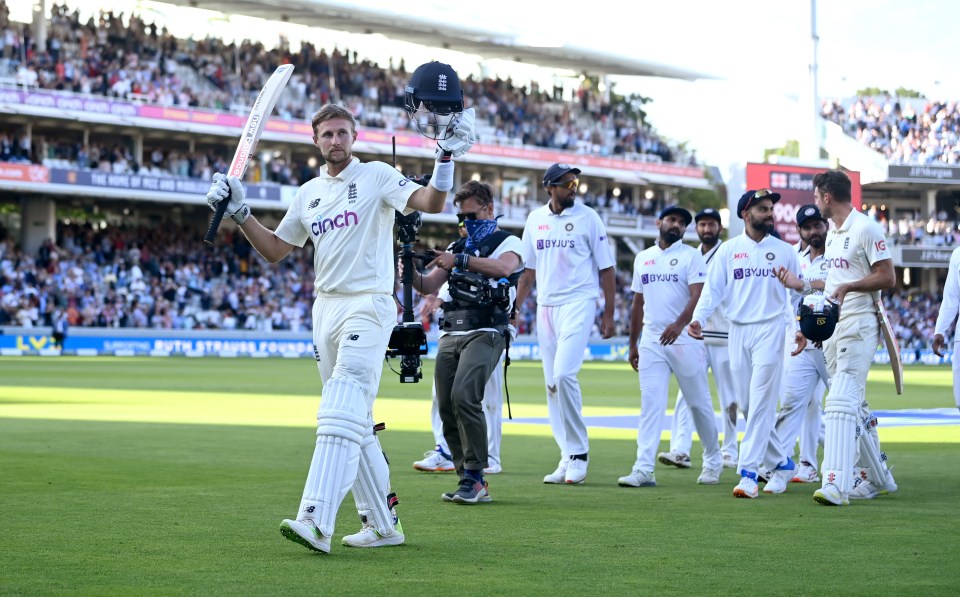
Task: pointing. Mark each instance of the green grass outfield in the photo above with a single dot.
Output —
(123, 476)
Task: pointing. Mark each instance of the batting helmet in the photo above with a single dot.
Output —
(818, 316)
(434, 99)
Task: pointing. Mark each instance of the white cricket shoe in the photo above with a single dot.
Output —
(709, 476)
(806, 473)
(368, 536)
(576, 471)
(830, 495)
(638, 479)
(779, 478)
(866, 490)
(558, 476)
(493, 469)
(435, 461)
(674, 458)
(306, 533)
(746, 488)
(729, 461)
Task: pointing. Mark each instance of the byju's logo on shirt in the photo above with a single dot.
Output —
(321, 225)
(554, 244)
(753, 272)
(651, 278)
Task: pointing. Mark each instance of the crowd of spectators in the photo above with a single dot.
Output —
(165, 278)
(125, 57)
(906, 131)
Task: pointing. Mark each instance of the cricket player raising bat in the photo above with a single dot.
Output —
(348, 214)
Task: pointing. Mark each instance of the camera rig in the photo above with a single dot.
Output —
(408, 340)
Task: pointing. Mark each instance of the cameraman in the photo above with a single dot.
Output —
(475, 278)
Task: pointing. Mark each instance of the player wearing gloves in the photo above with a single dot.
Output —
(348, 214)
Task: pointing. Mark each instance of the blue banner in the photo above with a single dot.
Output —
(159, 184)
(212, 344)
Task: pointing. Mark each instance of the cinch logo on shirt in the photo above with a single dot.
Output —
(838, 262)
(339, 221)
(650, 278)
(753, 272)
(554, 244)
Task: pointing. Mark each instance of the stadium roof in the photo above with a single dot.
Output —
(495, 40)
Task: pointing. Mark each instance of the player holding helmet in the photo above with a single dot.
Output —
(348, 214)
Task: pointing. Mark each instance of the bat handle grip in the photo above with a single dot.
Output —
(211, 234)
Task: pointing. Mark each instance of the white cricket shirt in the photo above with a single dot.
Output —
(745, 277)
(664, 277)
(717, 329)
(851, 250)
(349, 218)
(568, 250)
(951, 297)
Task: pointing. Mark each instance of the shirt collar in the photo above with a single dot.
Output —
(570, 211)
(848, 223)
(353, 162)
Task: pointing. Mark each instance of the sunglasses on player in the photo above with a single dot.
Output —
(571, 184)
(760, 194)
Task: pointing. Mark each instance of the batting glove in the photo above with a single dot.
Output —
(464, 135)
(220, 188)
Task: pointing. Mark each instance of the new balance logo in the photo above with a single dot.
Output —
(314, 203)
(352, 192)
(354, 337)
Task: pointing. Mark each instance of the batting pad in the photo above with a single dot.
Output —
(840, 421)
(869, 458)
(372, 486)
(341, 423)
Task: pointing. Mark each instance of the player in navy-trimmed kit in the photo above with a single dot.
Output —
(667, 280)
(567, 254)
(348, 213)
(746, 283)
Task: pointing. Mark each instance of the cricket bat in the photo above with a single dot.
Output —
(893, 349)
(259, 114)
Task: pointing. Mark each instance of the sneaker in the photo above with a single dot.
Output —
(747, 487)
(806, 473)
(471, 492)
(866, 490)
(371, 537)
(829, 495)
(638, 479)
(576, 471)
(306, 533)
(779, 478)
(729, 461)
(674, 458)
(558, 476)
(493, 469)
(435, 461)
(709, 476)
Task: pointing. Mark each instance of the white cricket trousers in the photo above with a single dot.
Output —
(688, 362)
(804, 374)
(681, 428)
(493, 412)
(563, 332)
(756, 358)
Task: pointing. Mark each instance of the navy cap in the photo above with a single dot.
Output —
(676, 209)
(436, 81)
(555, 171)
(708, 212)
(809, 212)
(751, 197)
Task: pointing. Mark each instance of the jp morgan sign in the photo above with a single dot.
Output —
(937, 174)
(925, 256)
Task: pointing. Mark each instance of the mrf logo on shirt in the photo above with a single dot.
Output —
(322, 225)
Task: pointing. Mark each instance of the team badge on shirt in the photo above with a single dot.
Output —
(770, 256)
(352, 192)
(568, 227)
